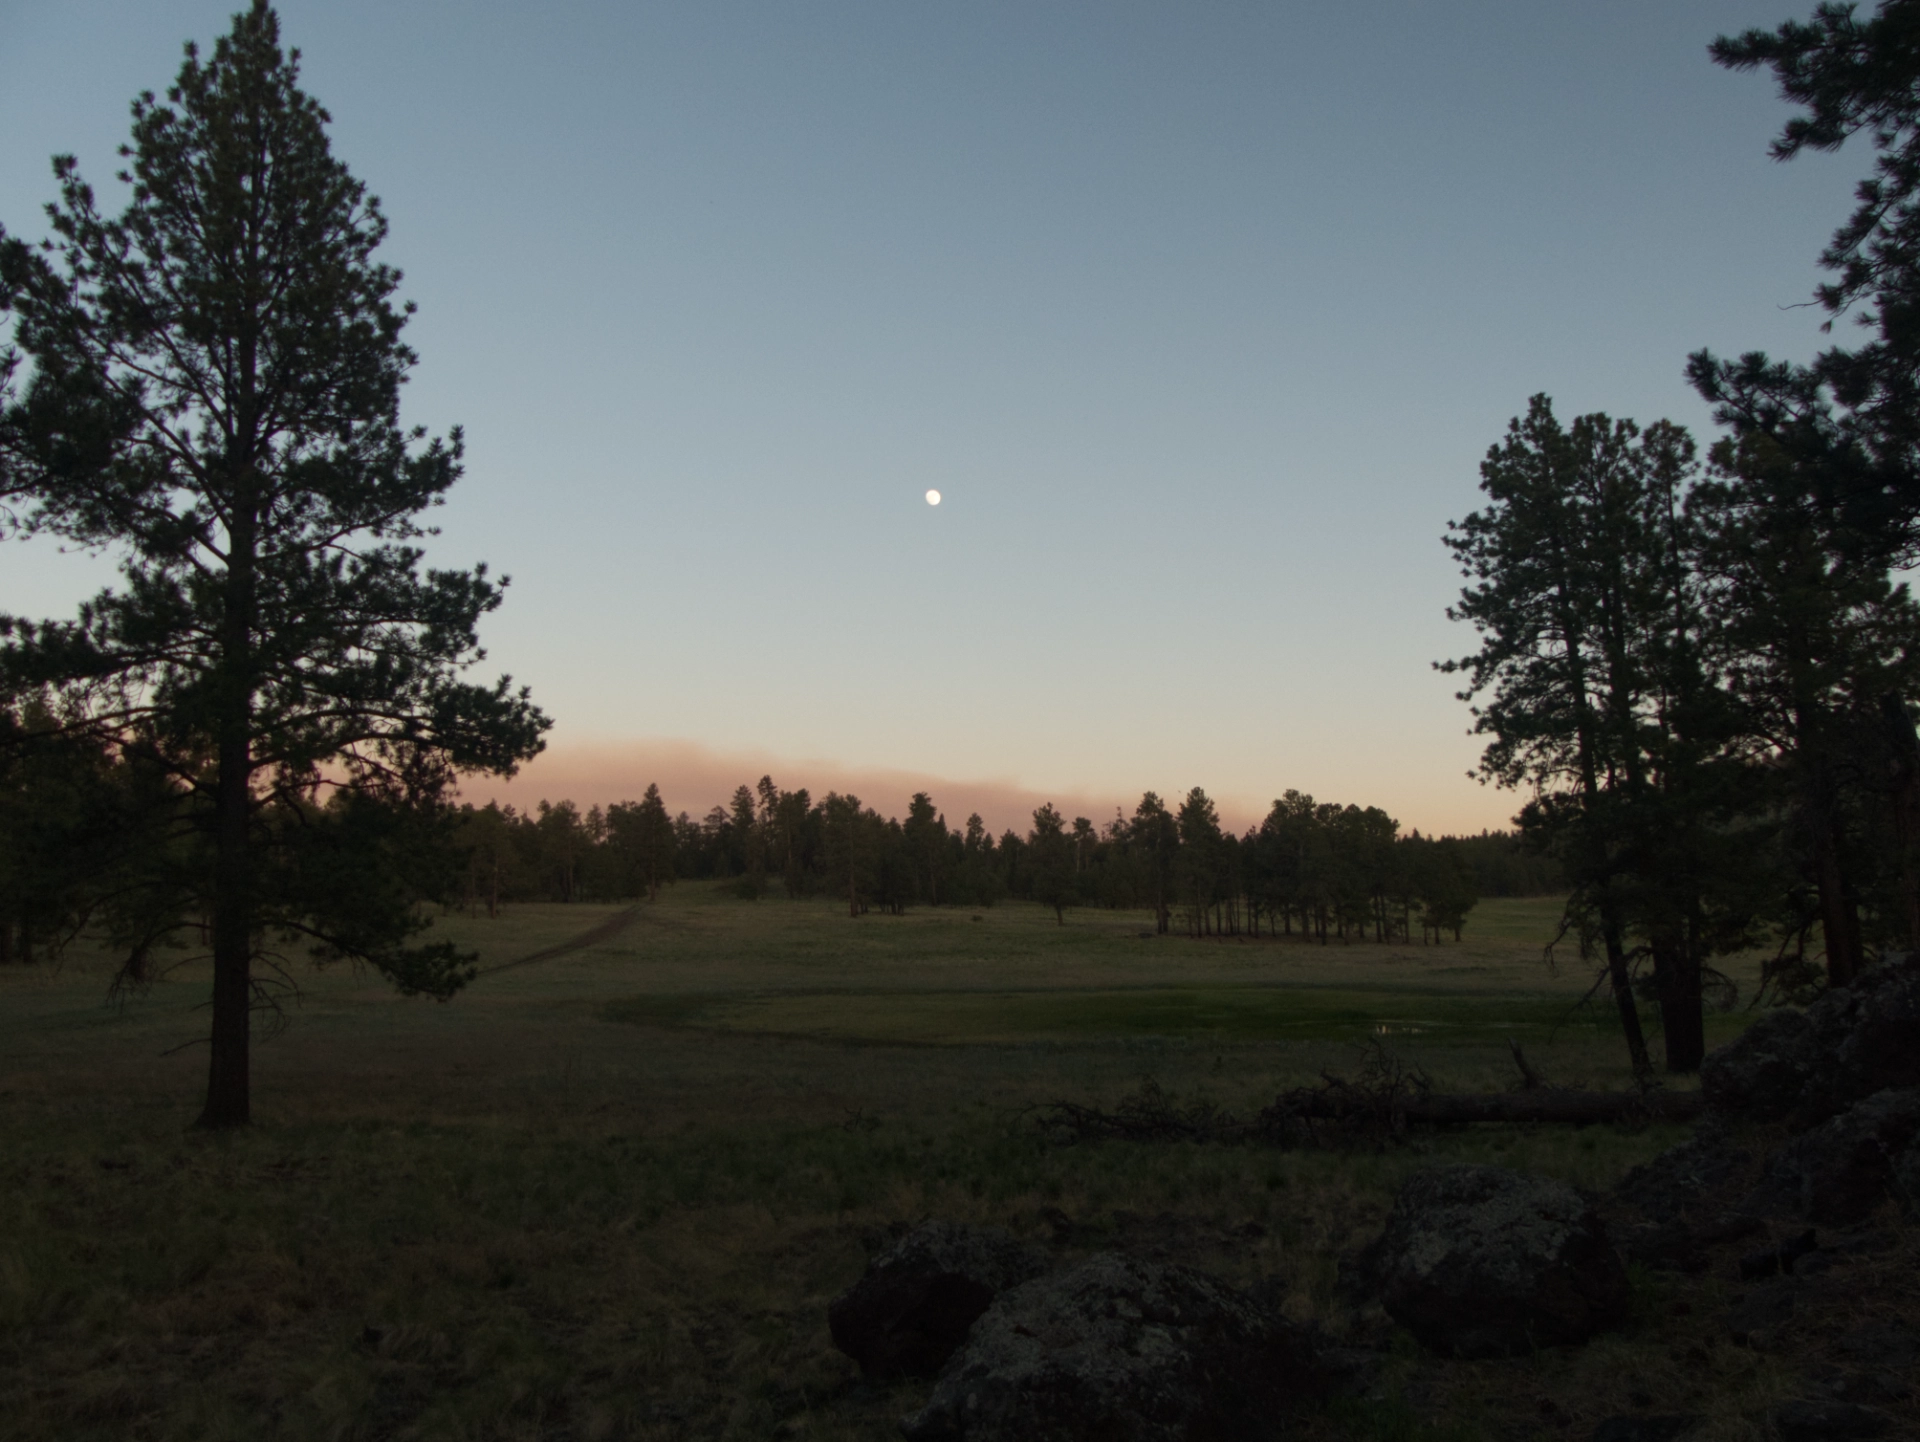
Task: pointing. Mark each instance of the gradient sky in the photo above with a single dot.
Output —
(1200, 316)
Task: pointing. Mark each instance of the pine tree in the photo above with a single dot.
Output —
(213, 393)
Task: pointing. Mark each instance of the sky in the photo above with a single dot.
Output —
(1200, 317)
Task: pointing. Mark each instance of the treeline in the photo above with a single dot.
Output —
(1309, 869)
(1504, 865)
(91, 835)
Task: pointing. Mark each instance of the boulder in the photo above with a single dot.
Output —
(1680, 1187)
(1484, 1262)
(1806, 1066)
(1886, 1349)
(913, 1307)
(1668, 1212)
(1646, 1428)
(1830, 1422)
(1782, 1256)
(1761, 1074)
(1881, 1048)
(1761, 1315)
(1906, 1181)
(1838, 1172)
(1124, 1350)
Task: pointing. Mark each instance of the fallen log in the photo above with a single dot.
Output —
(1442, 1109)
(1380, 1105)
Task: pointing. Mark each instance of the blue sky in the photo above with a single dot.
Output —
(1201, 316)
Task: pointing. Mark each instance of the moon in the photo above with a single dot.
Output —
(933, 498)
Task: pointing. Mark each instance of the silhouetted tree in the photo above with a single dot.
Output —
(1157, 835)
(1558, 561)
(642, 833)
(1198, 867)
(1050, 874)
(1811, 633)
(214, 393)
(925, 839)
(1853, 77)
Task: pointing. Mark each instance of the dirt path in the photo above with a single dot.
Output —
(593, 936)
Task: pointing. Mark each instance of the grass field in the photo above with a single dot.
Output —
(609, 1193)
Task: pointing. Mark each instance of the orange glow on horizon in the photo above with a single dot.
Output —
(694, 778)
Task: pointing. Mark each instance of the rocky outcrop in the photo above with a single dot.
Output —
(1762, 1073)
(1483, 1262)
(1830, 1422)
(1670, 1212)
(1906, 1181)
(913, 1307)
(1681, 1185)
(1122, 1350)
(1647, 1429)
(1805, 1066)
(1838, 1172)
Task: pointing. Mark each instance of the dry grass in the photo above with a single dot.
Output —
(610, 1195)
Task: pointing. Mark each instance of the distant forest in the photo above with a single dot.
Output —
(1312, 870)
(82, 845)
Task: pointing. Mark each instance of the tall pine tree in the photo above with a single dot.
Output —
(208, 386)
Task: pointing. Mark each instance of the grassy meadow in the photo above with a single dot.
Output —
(608, 1193)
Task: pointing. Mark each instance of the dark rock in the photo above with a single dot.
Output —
(913, 1307)
(1681, 1246)
(1863, 1387)
(1727, 1227)
(1806, 1066)
(1830, 1422)
(1890, 1349)
(1357, 1275)
(1678, 1184)
(1771, 1261)
(1905, 1182)
(1758, 1316)
(1838, 1172)
(1882, 1045)
(1483, 1262)
(1670, 1249)
(1763, 1072)
(1122, 1350)
(1646, 1429)
(1350, 1371)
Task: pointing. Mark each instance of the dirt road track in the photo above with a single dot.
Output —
(605, 931)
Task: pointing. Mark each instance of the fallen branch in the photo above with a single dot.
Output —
(1442, 1109)
(1149, 1115)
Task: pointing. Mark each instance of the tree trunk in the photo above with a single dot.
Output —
(1839, 921)
(1676, 975)
(1622, 982)
(228, 1083)
(1904, 784)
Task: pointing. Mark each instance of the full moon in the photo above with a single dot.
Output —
(933, 498)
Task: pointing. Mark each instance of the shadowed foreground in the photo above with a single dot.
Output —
(610, 1193)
